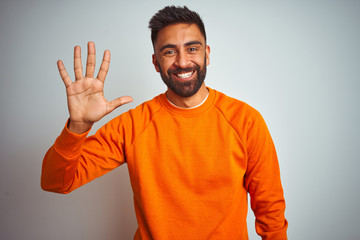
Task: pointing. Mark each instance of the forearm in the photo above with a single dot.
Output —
(76, 159)
(61, 162)
(267, 198)
(269, 209)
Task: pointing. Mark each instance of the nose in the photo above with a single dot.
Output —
(182, 60)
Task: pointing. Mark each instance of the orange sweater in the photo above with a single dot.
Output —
(190, 169)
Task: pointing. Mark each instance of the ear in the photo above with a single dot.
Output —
(155, 62)
(207, 50)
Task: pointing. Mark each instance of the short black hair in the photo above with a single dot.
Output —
(172, 15)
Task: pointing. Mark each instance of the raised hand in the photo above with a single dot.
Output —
(85, 96)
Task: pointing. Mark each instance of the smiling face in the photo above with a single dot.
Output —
(181, 56)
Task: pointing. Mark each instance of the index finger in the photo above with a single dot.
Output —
(104, 68)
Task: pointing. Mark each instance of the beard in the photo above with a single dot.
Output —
(188, 88)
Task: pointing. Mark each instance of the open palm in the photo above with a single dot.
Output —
(85, 96)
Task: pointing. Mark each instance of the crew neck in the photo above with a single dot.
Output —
(189, 107)
(189, 112)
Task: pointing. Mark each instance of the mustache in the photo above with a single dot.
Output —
(183, 70)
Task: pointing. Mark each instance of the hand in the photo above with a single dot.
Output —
(85, 96)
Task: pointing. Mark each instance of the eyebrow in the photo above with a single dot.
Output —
(167, 46)
(186, 45)
(192, 43)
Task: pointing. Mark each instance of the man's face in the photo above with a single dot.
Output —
(181, 56)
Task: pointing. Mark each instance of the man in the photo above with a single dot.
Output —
(192, 153)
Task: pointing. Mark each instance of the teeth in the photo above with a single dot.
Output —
(185, 75)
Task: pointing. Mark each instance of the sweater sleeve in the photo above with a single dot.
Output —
(262, 180)
(76, 159)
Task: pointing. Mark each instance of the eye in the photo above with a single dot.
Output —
(169, 52)
(192, 49)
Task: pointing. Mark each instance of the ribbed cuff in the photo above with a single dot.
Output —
(70, 144)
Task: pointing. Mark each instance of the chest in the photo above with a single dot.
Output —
(191, 153)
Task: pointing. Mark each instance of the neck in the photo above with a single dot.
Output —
(188, 102)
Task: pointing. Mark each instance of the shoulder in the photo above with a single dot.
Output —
(234, 109)
(141, 114)
(240, 115)
(132, 123)
(147, 109)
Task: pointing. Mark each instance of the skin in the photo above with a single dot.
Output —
(178, 46)
(181, 46)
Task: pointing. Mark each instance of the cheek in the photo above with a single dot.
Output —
(201, 60)
(165, 64)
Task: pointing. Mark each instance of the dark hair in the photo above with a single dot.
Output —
(171, 15)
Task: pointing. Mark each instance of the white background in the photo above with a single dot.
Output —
(297, 62)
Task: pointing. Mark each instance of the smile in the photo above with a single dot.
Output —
(184, 75)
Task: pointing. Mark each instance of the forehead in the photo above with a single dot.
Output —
(178, 34)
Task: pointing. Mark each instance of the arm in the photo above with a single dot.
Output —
(262, 180)
(74, 159)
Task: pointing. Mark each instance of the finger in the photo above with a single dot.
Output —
(77, 63)
(111, 106)
(90, 63)
(64, 75)
(104, 68)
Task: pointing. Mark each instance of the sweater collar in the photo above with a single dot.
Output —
(189, 112)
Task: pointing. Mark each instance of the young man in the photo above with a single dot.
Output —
(192, 153)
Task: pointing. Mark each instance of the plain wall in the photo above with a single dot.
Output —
(297, 62)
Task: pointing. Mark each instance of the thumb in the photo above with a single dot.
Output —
(111, 106)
